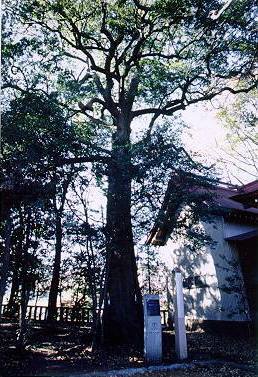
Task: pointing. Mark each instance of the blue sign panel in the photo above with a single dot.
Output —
(153, 308)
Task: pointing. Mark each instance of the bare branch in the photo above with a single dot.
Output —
(215, 14)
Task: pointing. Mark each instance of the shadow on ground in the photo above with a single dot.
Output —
(67, 349)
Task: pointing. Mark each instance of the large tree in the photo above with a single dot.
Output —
(123, 65)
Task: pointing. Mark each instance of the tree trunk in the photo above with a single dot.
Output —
(5, 260)
(25, 293)
(98, 326)
(92, 282)
(53, 293)
(25, 280)
(55, 282)
(122, 319)
(13, 302)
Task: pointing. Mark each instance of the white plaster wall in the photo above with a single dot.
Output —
(218, 268)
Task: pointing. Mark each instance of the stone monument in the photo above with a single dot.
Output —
(152, 329)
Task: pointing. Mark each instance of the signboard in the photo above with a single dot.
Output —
(153, 308)
(152, 329)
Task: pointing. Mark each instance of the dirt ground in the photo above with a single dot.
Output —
(68, 350)
(222, 371)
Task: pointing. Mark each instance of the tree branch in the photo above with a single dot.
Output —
(80, 160)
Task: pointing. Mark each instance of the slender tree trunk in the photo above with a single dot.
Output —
(36, 298)
(92, 281)
(55, 282)
(21, 338)
(53, 293)
(60, 296)
(98, 327)
(123, 308)
(5, 260)
(25, 281)
(13, 302)
(14, 291)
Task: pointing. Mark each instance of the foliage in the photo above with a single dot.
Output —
(240, 121)
(35, 134)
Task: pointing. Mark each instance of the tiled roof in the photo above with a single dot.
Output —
(225, 199)
(247, 195)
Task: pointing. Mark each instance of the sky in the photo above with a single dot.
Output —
(205, 132)
(207, 136)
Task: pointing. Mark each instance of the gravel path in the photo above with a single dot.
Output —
(196, 368)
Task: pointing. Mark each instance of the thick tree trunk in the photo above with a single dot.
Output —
(53, 293)
(123, 304)
(5, 260)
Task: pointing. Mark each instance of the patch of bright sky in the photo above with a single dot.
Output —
(207, 136)
(204, 133)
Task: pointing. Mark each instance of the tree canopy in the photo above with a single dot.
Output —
(131, 58)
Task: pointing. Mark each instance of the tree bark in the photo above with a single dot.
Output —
(25, 294)
(26, 224)
(55, 282)
(5, 260)
(92, 283)
(13, 302)
(122, 318)
(53, 293)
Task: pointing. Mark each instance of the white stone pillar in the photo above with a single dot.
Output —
(180, 333)
(152, 329)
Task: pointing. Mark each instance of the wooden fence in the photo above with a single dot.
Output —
(65, 314)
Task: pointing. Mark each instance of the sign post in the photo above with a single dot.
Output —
(152, 329)
(180, 333)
